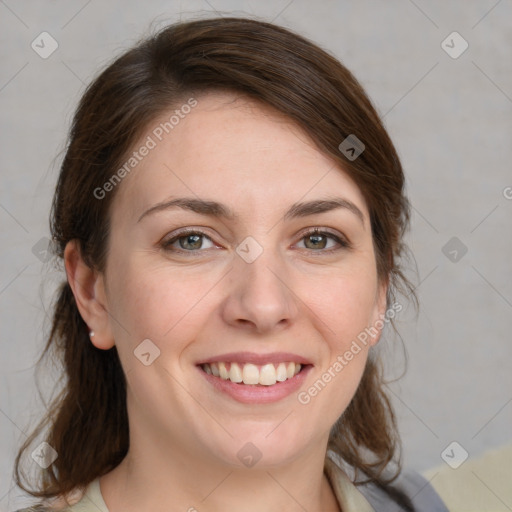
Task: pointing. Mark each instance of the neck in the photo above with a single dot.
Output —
(153, 478)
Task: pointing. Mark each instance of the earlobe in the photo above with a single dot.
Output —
(88, 288)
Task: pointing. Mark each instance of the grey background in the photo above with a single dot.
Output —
(449, 118)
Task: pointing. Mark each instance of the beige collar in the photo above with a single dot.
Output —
(347, 494)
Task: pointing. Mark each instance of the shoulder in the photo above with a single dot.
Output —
(410, 492)
(46, 507)
(42, 508)
(75, 501)
(35, 508)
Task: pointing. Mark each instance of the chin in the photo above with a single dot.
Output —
(262, 447)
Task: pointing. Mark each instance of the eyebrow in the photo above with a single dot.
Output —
(216, 209)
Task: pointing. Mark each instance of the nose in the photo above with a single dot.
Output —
(259, 297)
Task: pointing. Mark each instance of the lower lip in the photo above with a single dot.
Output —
(257, 393)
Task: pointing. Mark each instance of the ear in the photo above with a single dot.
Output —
(379, 311)
(88, 288)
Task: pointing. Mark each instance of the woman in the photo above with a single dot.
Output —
(230, 213)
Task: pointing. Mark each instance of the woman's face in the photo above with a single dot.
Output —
(230, 278)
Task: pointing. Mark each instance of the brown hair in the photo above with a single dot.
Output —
(87, 422)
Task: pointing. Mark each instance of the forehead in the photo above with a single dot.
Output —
(232, 149)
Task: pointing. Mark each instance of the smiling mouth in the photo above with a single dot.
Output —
(252, 374)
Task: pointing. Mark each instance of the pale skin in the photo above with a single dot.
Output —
(298, 297)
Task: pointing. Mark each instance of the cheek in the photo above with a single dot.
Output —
(153, 302)
(343, 313)
(344, 305)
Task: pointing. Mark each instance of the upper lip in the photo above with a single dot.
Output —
(257, 359)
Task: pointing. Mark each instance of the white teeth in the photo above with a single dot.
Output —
(250, 374)
(235, 374)
(265, 375)
(281, 372)
(223, 373)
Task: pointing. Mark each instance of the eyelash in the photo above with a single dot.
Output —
(344, 244)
